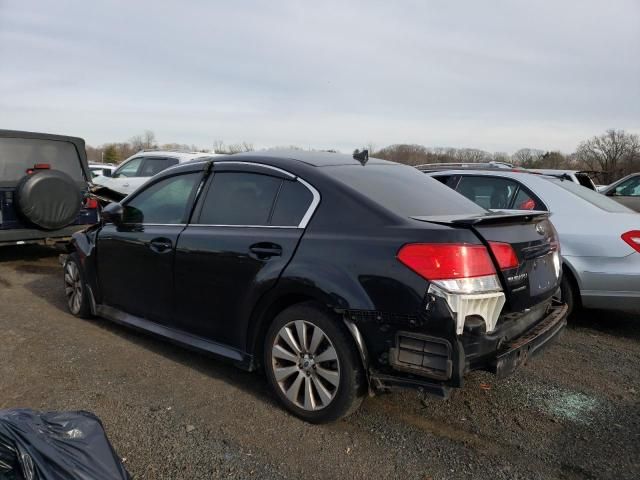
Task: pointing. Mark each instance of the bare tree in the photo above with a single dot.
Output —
(527, 157)
(615, 153)
(472, 155)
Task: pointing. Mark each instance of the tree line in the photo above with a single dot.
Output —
(612, 155)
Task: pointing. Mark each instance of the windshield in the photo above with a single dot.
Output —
(404, 190)
(591, 196)
(17, 155)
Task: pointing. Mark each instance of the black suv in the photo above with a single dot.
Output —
(333, 274)
(43, 187)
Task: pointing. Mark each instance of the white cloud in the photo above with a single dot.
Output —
(323, 74)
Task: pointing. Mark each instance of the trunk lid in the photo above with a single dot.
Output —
(534, 242)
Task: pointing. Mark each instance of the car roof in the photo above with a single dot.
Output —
(180, 155)
(315, 159)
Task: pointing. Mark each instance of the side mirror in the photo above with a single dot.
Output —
(107, 172)
(112, 213)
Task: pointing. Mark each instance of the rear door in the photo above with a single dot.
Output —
(135, 259)
(245, 230)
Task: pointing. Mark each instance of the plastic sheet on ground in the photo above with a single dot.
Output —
(56, 446)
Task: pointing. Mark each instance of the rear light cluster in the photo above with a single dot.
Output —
(633, 239)
(464, 275)
(90, 203)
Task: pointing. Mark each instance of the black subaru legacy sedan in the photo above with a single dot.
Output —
(335, 275)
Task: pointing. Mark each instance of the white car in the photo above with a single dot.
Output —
(98, 169)
(138, 168)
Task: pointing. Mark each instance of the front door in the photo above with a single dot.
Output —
(135, 259)
(246, 229)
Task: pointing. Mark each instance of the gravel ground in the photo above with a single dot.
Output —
(572, 413)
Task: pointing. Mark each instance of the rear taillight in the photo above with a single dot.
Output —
(38, 166)
(633, 239)
(90, 203)
(439, 261)
(505, 255)
(462, 275)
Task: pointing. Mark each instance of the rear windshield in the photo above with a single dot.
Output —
(17, 155)
(594, 198)
(404, 190)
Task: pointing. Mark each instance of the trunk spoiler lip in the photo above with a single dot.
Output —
(489, 218)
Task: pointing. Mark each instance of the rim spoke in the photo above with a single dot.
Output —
(284, 372)
(331, 376)
(294, 390)
(67, 278)
(309, 402)
(287, 336)
(301, 330)
(323, 393)
(327, 356)
(315, 340)
(279, 352)
(68, 290)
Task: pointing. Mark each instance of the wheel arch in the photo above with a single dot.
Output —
(271, 305)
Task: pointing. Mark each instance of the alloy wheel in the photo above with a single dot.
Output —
(305, 365)
(73, 287)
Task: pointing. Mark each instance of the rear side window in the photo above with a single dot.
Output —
(294, 199)
(154, 165)
(17, 155)
(403, 190)
(488, 192)
(166, 202)
(236, 198)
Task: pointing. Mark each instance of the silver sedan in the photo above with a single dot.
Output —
(599, 238)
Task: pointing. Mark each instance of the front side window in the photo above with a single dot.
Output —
(594, 198)
(164, 202)
(629, 188)
(129, 169)
(489, 192)
(236, 198)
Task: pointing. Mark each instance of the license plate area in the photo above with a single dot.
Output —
(542, 276)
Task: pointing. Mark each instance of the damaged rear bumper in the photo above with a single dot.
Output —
(515, 353)
(435, 365)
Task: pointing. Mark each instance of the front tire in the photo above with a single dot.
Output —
(75, 288)
(312, 365)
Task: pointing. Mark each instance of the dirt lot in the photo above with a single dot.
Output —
(172, 413)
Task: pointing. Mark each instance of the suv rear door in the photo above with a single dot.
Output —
(245, 229)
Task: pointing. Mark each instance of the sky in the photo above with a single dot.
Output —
(495, 75)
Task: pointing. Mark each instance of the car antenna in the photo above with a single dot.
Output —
(362, 157)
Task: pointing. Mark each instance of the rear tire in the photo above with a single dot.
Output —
(568, 295)
(76, 288)
(312, 364)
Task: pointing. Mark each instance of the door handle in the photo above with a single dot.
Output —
(160, 245)
(265, 250)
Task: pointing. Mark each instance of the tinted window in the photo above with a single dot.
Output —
(628, 188)
(525, 201)
(403, 190)
(153, 165)
(164, 202)
(585, 180)
(293, 202)
(239, 199)
(129, 169)
(488, 192)
(17, 155)
(597, 199)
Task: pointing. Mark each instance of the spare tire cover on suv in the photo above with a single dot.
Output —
(49, 199)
